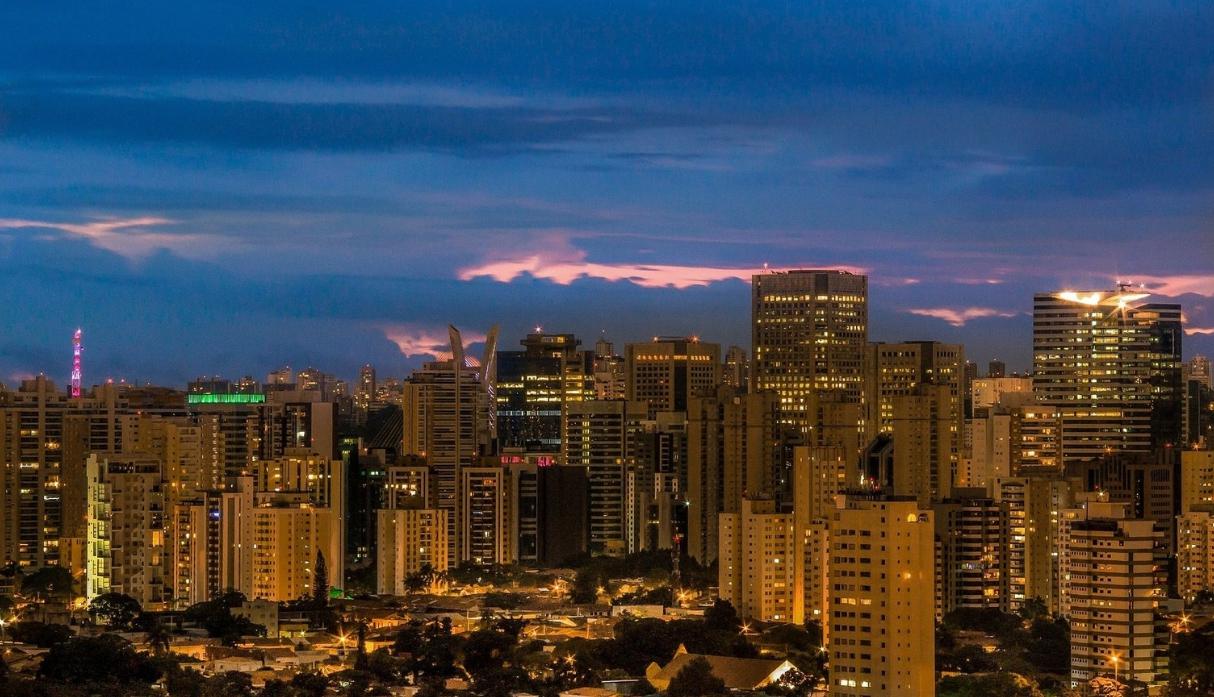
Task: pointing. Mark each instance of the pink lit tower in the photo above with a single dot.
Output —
(76, 349)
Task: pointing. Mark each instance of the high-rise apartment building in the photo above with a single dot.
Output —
(1196, 479)
(408, 540)
(987, 392)
(535, 385)
(1195, 552)
(757, 561)
(486, 523)
(972, 545)
(809, 331)
(1114, 577)
(1110, 365)
(449, 420)
(288, 539)
(882, 619)
(410, 533)
(1034, 509)
(45, 437)
(664, 374)
(604, 437)
(126, 528)
(734, 450)
(926, 443)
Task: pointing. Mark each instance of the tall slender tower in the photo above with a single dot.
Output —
(76, 349)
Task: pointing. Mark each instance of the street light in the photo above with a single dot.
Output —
(1116, 666)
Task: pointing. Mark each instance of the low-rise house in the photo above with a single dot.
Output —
(738, 673)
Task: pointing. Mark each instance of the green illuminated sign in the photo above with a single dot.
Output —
(210, 398)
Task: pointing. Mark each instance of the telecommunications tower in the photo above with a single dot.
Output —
(76, 349)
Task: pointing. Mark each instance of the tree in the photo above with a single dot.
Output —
(1191, 663)
(1049, 647)
(988, 685)
(229, 684)
(722, 616)
(215, 616)
(158, 636)
(42, 635)
(696, 680)
(585, 589)
(115, 610)
(320, 581)
(49, 582)
(106, 658)
(1034, 608)
(310, 684)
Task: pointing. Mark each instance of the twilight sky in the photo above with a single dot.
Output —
(225, 189)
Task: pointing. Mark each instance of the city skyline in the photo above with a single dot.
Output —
(255, 187)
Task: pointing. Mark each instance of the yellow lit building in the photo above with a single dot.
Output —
(1195, 552)
(126, 528)
(408, 539)
(882, 624)
(1196, 479)
(667, 372)
(287, 541)
(757, 561)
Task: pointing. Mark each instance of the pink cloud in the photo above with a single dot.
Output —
(128, 237)
(1173, 286)
(568, 265)
(1199, 330)
(416, 340)
(959, 316)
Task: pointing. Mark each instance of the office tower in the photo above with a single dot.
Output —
(996, 369)
(896, 370)
(327, 387)
(1196, 479)
(45, 436)
(288, 537)
(1195, 552)
(972, 544)
(736, 371)
(126, 528)
(809, 331)
(535, 385)
(925, 443)
(757, 561)
(987, 392)
(486, 516)
(1113, 580)
(610, 380)
(367, 389)
(563, 513)
(882, 624)
(668, 371)
(1110, 365)
(449, 419)
(734, 449)
(298, 419)
(603, 436)
(408, 540)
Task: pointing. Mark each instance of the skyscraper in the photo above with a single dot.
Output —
(666, 372)
(448, 408)
(535, 385)
(899, 369)
(604, 437)
(809, 331)
(1109, 364)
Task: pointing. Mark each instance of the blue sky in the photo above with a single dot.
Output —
(224, 189)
